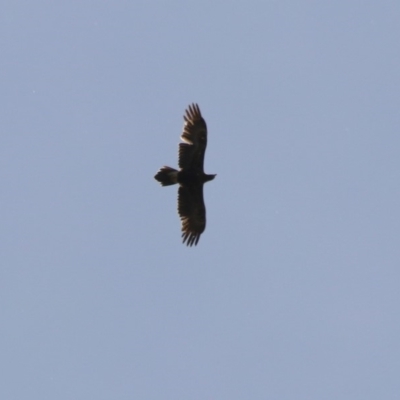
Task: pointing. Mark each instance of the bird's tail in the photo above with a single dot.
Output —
(167, 176)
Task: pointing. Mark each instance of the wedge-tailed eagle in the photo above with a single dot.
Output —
(191, 176)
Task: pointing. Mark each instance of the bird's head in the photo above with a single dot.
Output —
(210, 177)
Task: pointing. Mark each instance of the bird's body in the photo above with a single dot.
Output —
(190, 176)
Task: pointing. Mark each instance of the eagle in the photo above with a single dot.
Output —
(190, 176)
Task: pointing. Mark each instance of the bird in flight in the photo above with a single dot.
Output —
(190, 176)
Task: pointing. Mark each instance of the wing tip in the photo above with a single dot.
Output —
(190, 238)
(192, 112)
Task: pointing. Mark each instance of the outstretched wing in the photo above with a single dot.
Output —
(194, 136)
(192, 212)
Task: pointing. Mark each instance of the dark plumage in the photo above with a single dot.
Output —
(191, 176)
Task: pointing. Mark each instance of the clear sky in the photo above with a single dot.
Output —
(293, 290)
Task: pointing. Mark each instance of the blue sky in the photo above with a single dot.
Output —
(293, 290)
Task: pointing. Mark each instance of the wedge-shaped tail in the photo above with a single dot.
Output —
(167, 176)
